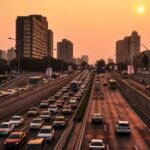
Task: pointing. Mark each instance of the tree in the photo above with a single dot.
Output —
(145, 61)
(84, 64)
(100, 63)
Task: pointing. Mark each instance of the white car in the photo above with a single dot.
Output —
(11, 91)
(96, 144)
(33, 111)
(53, 108)
(67, 109)
(97, 118)
(46, 115)
(6, 128)
(17, 120)
(73, 103)
(123, 127)
(47, 132)
(36, 124)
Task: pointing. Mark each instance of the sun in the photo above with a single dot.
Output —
(140, 9)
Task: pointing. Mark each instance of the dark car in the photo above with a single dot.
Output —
(15, 140)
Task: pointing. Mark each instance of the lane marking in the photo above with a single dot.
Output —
(107, 146)
(24, 128)
(135, 146)
(105, 128)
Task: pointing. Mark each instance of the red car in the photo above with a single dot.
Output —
(15, 140)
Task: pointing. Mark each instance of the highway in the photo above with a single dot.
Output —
(115, 108)
(33, 134)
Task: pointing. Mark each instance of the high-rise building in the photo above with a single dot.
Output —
(11, 54)
(50, 43)
(3, 54)
(85, 58)
(127, 48)
(65, 50)
(32, 36)
(119, 51)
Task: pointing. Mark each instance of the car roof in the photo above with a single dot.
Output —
(96, 140)
(123, 122)
(47, 127)
(5, 123)
(97, 114)
(36, 141)
(19, 132)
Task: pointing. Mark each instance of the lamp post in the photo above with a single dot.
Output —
(18, 42)
(146, 49)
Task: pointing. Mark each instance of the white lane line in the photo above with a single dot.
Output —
(107, 146)
(135, 146)
(24, 127)
(105, 128)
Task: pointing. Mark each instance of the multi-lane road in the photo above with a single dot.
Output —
(114, 108)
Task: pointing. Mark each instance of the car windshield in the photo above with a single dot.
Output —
(33, 146)
(96, 144)
(59, 119)
(124, 125)
(45, 130)
(15, 119)
(52, 107)
(14, 136)
(3, 125)
(45, 113)
(36, 121)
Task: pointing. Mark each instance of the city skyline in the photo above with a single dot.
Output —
(92, 27)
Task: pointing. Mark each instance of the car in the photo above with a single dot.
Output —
(71, 93)
(15, 140)
(59, 103)
(46, 115)
(6, 128)
(66, 96)
(73, 103)
(78, 96)
(17, 120)
(37, 144)
(34, 111)
(64, 89)
(58, 94)
(97, 118)
(105, 83)
(44, 104)
(66, 109)
(11, 91)
(53, 108)
(47, 132)
(123, 127)
(36, 124)
(59, 122)
(51, 99)
(97, 87)
(96, 144)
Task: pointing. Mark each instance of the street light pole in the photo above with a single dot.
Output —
(19, 47)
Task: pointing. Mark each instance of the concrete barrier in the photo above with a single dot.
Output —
(26, 100)
(135, 97)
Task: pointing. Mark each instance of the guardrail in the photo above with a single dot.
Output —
(139, 102)
(68, 131)
(15, 104)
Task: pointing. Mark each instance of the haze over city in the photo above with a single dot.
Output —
(93, 26)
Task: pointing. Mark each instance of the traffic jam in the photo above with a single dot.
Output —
(41, 126)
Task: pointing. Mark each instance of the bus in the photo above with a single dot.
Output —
(35, 80)
(74, 86)
(125, 74)
(112, 84)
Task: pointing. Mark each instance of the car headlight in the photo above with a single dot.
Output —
(17, 143)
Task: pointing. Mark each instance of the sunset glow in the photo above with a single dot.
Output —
(93, 26)
(140, 9)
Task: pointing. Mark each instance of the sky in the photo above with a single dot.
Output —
(92, 25)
